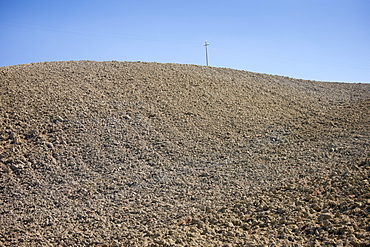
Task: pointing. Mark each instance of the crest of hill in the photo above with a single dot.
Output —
(214, 101)
(189, 111)
(121, 144)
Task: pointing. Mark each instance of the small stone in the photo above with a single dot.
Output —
(325, 216)
(316, 207)
(49, 145)
(229, 224)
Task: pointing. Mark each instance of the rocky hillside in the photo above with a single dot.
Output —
(148, 154)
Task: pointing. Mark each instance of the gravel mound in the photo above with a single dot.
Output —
(149, 154)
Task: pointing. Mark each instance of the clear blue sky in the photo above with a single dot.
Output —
(324, 40)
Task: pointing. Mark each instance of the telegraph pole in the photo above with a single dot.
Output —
(206, 45)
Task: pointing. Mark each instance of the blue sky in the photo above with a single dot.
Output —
(323, 40)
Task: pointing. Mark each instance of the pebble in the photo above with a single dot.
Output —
(325, 216)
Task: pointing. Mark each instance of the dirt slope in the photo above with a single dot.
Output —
(148, 154)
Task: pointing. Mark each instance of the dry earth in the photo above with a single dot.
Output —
(148, 154)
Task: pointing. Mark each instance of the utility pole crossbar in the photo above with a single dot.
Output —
(206, 45)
